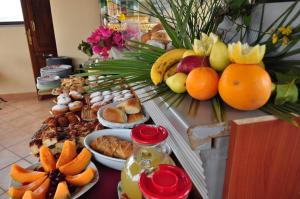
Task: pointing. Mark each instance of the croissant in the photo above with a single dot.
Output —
(112, 146)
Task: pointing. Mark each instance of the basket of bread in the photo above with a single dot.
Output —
(126, 114)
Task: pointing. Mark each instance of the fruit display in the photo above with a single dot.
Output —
(236, 72)
(56, 179)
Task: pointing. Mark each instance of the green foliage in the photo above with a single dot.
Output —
(85, 48)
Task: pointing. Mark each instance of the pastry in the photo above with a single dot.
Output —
(75, 106)
(96, 99)
(88, 114)
(59, 109)
(118, 98)
(145, 37)
(62, 95)
(63, 121)
(112, 146)
(75, 95)
(64, 100)
(95, 94)
(131, 106)
(72, 118)
(108, 97)
(128, 96)
(116, 115)
(135, 117)
(161, 36)
(106, 93)
(156, 28)
(81, 130)
(95, 107)
(125, 91)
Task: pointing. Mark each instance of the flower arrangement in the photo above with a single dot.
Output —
(101, 41)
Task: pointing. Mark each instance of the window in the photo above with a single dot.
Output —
(10, 12)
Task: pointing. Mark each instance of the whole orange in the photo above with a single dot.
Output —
(202, 83)
(245, 87)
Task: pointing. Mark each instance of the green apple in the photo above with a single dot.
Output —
(177, 82)
(219, 58)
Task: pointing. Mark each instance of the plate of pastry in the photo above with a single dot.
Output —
(126, 114)
(110, 147)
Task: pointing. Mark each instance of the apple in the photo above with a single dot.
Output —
(187, 64)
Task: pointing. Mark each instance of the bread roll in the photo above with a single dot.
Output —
(116, 115)
(156, 28)
(135, 117)
(131, 106)
(161, 36)
(145, 37)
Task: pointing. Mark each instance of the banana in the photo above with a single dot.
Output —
(163, 63)
(171, 71)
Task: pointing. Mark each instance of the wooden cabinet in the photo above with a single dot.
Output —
(263, 160)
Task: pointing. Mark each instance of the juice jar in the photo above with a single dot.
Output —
(167, 182)
(148, 142)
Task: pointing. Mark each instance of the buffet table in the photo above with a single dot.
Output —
(106, 187)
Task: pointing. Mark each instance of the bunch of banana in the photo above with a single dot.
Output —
(163, 63)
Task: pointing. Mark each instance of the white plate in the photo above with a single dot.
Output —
(79, 191)
(120, 125)
(111, 162)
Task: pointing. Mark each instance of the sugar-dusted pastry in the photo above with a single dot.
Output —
(125, 91)
(108, 97)
(116, 115)
(62, 95)
(96, 99)
(59, 109)
(106, 93)
(118, 99)
(75, 106)
(135, 117)
(117, 94)
(128, 96)
(95, 94)
(131, 106)
(75, 95)
(64, 100)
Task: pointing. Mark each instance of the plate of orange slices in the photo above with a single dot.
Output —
(70, 176)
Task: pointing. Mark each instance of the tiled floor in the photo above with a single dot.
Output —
(20, 117)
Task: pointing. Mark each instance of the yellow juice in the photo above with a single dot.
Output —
(145, 159)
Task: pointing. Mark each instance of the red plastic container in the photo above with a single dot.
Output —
(167, 182)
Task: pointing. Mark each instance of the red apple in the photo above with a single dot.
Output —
(187, 64)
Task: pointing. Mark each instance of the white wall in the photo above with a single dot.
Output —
(16, 75)
(73, 21)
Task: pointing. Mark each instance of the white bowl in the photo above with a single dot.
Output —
(79, 191)
(111, 162)
(120, 125)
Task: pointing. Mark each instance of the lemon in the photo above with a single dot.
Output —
(203, 47)
(244, 54)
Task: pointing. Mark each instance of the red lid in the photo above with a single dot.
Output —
(149, 134)
(167, 182)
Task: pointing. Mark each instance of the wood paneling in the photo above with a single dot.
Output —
(264, 161)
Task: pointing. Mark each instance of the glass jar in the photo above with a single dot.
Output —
(148, 142)
(167, 182)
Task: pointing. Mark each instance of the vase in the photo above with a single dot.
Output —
(117, 53)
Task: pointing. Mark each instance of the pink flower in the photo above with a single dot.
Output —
(118, 39)
(103, 39)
